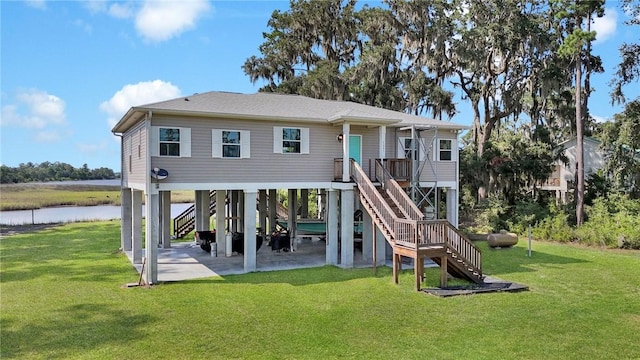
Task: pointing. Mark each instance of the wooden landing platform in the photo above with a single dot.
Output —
(490, 285)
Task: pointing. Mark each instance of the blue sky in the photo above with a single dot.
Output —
(71, 69)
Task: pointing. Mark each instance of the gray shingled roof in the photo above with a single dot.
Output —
(279, 106)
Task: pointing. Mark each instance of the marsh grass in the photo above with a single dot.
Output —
(36, 196)
(62, 297)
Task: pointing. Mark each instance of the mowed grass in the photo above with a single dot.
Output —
(36, 196)
(62, 298)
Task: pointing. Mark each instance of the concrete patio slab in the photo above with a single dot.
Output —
(186, 260)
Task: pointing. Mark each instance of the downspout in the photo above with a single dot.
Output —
(147, 125)
(121, 136)
(346, 162)
(414, 163)
(151, 243)
(382, 149)
(436, 203)
(458, 190)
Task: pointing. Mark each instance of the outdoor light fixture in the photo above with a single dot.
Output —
(158, 174)
(339, 137)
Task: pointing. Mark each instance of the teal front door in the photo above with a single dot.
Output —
(355, 148)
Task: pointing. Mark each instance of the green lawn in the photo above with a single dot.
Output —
(62, 298)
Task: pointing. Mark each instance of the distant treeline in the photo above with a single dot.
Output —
(55, 171)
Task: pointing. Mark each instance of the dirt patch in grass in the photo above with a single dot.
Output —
(9, 230)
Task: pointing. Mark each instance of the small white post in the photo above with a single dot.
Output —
(529, 240)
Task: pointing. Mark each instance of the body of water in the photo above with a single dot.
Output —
(110, 182)
(71, 214)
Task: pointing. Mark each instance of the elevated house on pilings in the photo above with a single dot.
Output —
(237, 149)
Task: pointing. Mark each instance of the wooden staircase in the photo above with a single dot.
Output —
(409, 235)
(186, 221)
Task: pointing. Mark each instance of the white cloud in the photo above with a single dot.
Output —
(37, 4)
(95, 6)
(121, 10)
(163, 20)
(137, 94)
(34, 109)
(92, 149)
(599, 119)
(605, 27)
(48, 137)
(155, 20)
(83, 25)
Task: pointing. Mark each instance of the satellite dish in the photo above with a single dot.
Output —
(159, 174)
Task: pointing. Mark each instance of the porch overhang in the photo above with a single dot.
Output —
(360, 120)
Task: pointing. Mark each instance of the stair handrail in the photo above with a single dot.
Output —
(186, 218)
(415, 233)
(455, 240)
(369, 192)
(397, 193)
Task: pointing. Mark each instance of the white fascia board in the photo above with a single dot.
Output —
(208, 114)
(243, 186)
(342, 186)
(441, 184)
(128, 120)
(134, 186)
(442, 126)
(357, 120)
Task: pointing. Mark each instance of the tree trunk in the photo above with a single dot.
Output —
(480, 140)
(579, 191)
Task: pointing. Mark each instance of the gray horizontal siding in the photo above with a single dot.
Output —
(263, 165)
(442, 171)
(370, 140)
(135, 144)
(432, 170)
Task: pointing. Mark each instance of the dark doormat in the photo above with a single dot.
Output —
(492, 286)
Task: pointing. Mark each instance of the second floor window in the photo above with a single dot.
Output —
(445, 150)
(405, 148)
(230, 144)
(291, 141)
(169, 142)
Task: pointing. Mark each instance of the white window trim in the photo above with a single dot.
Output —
(216, 144)
(454, 150)
(277, 140)
(185, 141)
(401, 149)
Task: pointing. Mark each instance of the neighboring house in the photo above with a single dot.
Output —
(245, 146)
(562, 179)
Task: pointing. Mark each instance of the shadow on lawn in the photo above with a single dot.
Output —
(511, 260)
(8, 230)
(75, 254)
(296, 277)
(70, 331)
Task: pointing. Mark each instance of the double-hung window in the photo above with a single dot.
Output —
(170, 141)
(230, 144)
(290, 140)
(445, 150)
(405, 148)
